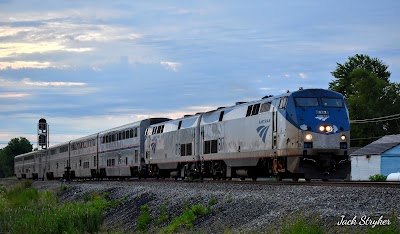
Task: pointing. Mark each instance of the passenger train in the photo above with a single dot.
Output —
(301, 134)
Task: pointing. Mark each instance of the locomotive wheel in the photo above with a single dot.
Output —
(295, 178)
(308, 179)
(279, 177)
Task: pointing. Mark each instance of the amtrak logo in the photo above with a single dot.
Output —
(322, 118)
(262, 132)
(153, 147)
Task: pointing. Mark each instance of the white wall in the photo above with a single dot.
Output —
(362, 167)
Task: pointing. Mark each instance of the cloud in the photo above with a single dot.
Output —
(287, 75)
(302, 75)
(24, 64)
(14, 95)
(265, 89)
(26, 82)
(174, 66)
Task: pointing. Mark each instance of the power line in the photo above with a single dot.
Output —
(378, 119)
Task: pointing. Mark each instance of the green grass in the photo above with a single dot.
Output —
(187, 219)
(23, 209)
(300, 224)
(144, 218)
(163, 217)
(389, 229)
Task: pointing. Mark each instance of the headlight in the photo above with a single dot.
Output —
(328, 128)
(308, 137)
(325, 128)
(343, 137)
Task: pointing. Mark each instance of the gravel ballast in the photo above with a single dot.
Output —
(240, 207)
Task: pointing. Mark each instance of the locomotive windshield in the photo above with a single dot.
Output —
(332, 102)
(306, 101)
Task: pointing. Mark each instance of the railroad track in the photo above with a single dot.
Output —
(262, 181)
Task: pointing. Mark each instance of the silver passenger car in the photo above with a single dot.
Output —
(121, 149)
(83, 157)
(58, 161)
(30, 165)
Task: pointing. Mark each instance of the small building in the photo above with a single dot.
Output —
(379, 157)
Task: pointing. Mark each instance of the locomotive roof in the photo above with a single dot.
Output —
(301, 92)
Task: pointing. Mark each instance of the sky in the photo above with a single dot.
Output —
(87, 66)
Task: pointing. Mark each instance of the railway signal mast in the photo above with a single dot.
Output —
(43, 134)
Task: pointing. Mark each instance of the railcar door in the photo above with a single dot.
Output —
(275, 123)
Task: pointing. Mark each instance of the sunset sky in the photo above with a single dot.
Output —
(88, 66)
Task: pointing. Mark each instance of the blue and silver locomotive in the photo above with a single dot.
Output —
(303, 134)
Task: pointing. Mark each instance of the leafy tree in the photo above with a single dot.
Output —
(365, 83)
(343, 83)
(15, 147)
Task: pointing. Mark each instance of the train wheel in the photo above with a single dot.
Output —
(254, 178)
(308, 179)
(279, 177)
(242, 178)
(295, 178)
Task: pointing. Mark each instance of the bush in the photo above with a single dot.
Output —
(25, 210)
(377, 177)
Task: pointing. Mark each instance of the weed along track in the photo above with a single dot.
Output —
(151, 206)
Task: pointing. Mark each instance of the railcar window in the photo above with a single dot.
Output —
(135, 134)
(64, 149)
(221, 116)
(306, 101)
(282, 103)
(249, 108)
(126, 134)
(265, 107)
(256, 108)
(136, 156)
(18, 159)
(332, 102)
(180, 124)
(52, 152)
(131, 133)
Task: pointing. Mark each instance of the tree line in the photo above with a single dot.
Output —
(15, 147)
(365, 83)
